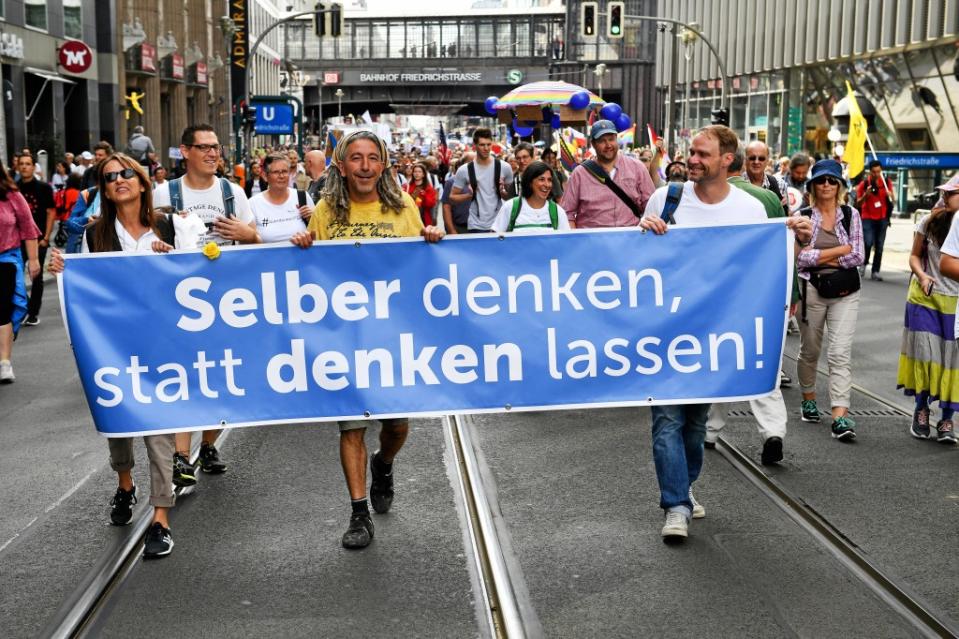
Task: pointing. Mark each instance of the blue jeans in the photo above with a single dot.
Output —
(678, 436)
(874, 235)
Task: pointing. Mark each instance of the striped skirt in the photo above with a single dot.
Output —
(929, 357)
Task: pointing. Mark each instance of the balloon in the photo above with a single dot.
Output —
(556, 122)
(579, 100)
(611, 111)
(520, 130)
(623, 122)
(490, 104)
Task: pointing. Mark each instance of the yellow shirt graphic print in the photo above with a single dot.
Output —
(367, 220)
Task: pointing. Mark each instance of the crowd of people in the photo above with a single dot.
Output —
(136, 205)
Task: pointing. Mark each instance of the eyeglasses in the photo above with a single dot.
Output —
(205, 148)
(831, 181)
(112, 176)
(756, 158)
(282, 172)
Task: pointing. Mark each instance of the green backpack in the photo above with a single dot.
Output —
(518, 204)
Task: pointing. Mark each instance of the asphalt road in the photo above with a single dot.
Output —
(257, 550)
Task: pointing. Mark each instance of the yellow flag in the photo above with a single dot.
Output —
(855, 153)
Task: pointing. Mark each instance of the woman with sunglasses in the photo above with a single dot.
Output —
(127, 222)
(830, 287)
(16, 227)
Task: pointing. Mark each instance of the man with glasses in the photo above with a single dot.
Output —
(223, 207)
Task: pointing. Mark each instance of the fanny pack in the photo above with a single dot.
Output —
(839, 283)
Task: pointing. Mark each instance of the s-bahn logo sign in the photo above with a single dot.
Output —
(514, 76)
(75, 56)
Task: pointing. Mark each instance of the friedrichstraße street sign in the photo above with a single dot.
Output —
(273, 118)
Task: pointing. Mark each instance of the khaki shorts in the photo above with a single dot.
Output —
(356, 424)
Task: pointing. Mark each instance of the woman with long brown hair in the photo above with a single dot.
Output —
(422, 192)
(16, 227)
(127, 222)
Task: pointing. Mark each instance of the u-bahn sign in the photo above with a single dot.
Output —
(273, 118)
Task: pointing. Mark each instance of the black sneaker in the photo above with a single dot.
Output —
(772, 451)
(210, 461)
(381, 486)
(920, 423)
(31, 321)
(122, 512)
(159, 541)
(844, 429)
(184, 473)
(360, 532)
(785, 381)
(810, 412)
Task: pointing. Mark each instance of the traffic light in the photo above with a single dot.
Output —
(336, 19)
(587, 19)
(319, 19)
(719, 116)
(249, 115)
(614, 19)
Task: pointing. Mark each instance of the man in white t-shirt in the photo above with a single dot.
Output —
(679, 431)
(277, 210)
(203, 194)
(486, 199)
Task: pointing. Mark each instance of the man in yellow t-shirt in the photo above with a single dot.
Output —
(362, 200)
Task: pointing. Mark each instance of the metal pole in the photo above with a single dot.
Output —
(671, 90)
(719, 58)
(3, 124)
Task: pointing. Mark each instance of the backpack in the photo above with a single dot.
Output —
(176, 195)
(518, 204)
(87, 202)
(471, 170)
(674, 193)
(300, 198)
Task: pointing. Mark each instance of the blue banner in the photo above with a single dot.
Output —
(381, 328)
(916, 160)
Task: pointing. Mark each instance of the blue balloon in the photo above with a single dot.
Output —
(611, 111)
(490, 103)
(520, 130)
(556, 122)
(579, 100)
(623, 122)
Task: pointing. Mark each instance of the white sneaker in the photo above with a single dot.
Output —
(698, 511)
(676, 527)
(6, 372)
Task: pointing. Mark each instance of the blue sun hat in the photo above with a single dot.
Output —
(825, 168)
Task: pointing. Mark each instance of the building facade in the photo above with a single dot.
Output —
(787, 64)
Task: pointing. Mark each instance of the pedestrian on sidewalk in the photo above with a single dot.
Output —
(17, 228)
(928, 361)
(830, 287)
(875, 199)
(39, 196)
(127, 223)
(361, 199)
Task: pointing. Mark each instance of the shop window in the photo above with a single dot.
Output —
(36, 13)
(72, 19)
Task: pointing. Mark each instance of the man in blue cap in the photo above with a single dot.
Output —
(610, 190)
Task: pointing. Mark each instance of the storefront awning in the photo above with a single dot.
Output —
(49, 76)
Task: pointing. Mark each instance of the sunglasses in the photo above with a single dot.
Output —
(756, 158)
(112, 176)
(830, 181)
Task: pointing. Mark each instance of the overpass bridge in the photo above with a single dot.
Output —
(450, 64)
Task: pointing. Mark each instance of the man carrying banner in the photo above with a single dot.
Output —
(609, 191)
(360, 199)
(707, 198)
(225, 210)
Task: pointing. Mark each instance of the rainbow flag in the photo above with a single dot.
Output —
(628, 136)
(567, 155)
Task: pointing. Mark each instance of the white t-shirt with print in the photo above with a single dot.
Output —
(738, 207)
(278, 222)
(208, 205)
(529, 215)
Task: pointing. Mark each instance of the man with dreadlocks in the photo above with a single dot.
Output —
(361, 199)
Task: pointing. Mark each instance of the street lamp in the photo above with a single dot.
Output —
(600, 71)
(339, 102)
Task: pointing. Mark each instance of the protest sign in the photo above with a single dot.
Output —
(345, 329)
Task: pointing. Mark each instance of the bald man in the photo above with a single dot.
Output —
(315, 162)
(757, 157)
